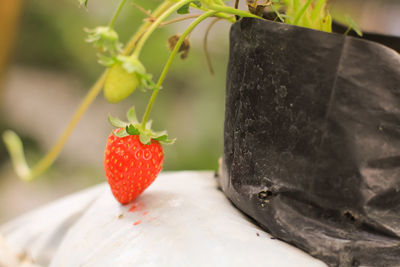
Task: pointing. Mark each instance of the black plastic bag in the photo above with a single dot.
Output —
(312, 140)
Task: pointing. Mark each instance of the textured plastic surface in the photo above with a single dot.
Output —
(182, 219)
(312, 140)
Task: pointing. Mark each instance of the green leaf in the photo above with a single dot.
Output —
(105, 39)
(148, 124)
(144, 139)
(121, 133)
(353, 25)
(106, 61)
(319, 9)
(164, 140)
(158, 134)
(131, 64)
(184, 9)
(83, 2)
(146, 81)
(131, 115)
(301, 13)
(116, 122)
(168, 141)
(132, 130)
(162, 137)
(327, 25)
(197, 3)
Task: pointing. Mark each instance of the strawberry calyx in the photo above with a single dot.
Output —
(105, 39)
(132, 65)
(133, 127)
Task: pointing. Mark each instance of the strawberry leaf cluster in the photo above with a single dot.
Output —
(133, 127)
(105, 39)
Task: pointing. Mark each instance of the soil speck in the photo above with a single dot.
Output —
(265, 195)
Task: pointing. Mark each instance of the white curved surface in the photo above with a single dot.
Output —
(180, 220)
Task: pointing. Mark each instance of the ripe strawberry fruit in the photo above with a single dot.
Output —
(133, 156)
(131, 166)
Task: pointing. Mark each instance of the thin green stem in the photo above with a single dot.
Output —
(227, 17)
(277, 13)
(116, 14)
(179, 19)
(205, 46)
(155, 25)
(231, 10)
(156, 13)
(46, 162)
(188, 30)
(14, 143)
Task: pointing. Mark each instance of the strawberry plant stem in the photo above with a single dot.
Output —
(14, 144)
(205, 45)
(116, 14)
(228, 17)
(45, 163)
(135, 38)
(178, 19)
(136, 43)
(155, 25)
(169, 62)
(231, 10)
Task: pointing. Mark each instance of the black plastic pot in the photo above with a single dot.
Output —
(312, 140)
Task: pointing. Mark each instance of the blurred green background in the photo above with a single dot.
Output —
(46, 68)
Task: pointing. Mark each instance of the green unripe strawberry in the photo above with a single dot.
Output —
(119, 83)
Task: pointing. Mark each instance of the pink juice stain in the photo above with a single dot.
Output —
(136, 207)
(133, 208)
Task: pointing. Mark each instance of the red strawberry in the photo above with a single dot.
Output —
(131, 166)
